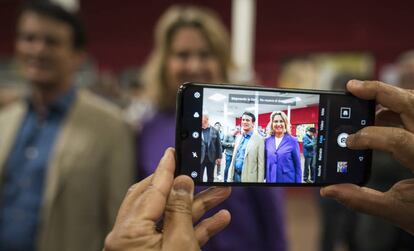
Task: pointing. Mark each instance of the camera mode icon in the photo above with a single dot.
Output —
(341, 140)
(345, 113)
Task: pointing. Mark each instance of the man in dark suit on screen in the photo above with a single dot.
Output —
(211, 149)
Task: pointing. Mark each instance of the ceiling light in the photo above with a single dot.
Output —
(217, 97)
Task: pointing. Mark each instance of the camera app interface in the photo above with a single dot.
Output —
(249, 136)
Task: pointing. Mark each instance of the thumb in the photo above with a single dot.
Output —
(178, 223)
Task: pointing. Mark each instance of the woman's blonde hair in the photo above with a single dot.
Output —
(176, 17)
(285, 120)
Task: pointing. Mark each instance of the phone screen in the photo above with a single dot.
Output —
(235, 135)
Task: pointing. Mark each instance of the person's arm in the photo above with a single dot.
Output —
(162, 195)
(265, 162)
(307, 143)
(393, 133)
(219, 149)
(227, 142)
(231, 168)
(296, 161)
(260, 161)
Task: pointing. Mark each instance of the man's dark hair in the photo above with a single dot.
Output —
(54, 11)
(250, 115)
(311, 129)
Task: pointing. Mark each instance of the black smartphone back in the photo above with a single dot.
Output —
(239, 135)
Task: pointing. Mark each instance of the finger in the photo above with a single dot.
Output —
(396, 99)
(132, 194)
(150, 205)
(211, 226)
(178, 224)
(392, 97)
(385, 117)
(397, 141)
(208, 199)
(361, 199)
(402, 194)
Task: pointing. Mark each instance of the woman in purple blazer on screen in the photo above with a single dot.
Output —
(282, 154)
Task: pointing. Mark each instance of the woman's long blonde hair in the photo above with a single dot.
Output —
(176, 17)
(285, 119)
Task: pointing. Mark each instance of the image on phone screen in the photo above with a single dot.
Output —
(237, 135)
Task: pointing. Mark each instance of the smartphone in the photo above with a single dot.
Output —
(255, 136)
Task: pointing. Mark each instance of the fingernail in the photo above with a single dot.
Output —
(182, 187)
(322, 192)
(325, 192)
(166, 151)
(356, 82)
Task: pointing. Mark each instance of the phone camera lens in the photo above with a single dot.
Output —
(184, 134)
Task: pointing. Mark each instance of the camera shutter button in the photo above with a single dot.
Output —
(341, 140)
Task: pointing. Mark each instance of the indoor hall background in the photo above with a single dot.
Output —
(120, 36)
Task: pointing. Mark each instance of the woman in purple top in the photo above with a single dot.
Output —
(282, 154)
(192, 45)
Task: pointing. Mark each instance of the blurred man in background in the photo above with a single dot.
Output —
(62, 175)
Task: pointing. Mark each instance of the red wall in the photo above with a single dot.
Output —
(286, 28)
(120, 33)
(306, 115)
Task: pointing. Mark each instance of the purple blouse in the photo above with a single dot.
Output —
(257, 213)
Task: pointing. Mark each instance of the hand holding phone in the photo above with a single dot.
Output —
(280, 136)
(160, 212)
(393, 133)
